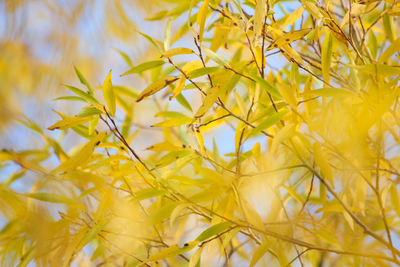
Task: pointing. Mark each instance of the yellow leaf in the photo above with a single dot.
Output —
(200, 140)
(292, 54)
(82, 156)
(187, 68)
(292, 17)
(238, 134)
(322, 163)
(393, 48)
(259, 18)
(201, 17)
(332, 92)
(293, 194)
(172, 251)
(326, 56)
(241, 104)
(156, 86)
(347, 216)
(50, 197)
(108, 93)
(174, 122)
(219, 38)
(176, 212)
(289, 94)
(195, 257)
(177, 51)
(69, 122)
(288, 38)
(209, 100)
(282, 135)
(165, 146)
(394, 197)
(178, 89)
(92, 125)
(258, 253)
(259, 56)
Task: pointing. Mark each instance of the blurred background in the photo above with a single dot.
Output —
(42, 40)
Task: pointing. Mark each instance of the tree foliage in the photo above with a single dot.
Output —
(271, 133)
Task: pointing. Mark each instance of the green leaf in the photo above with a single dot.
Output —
(89, 111)
(131, 92)
(182, 100)
(149, 193)
(82, 94)
(201, 72)
(144, 66)
(83, 80)
(266, 85)
(71, 98)
(217, 58)
(270, 121)
(157, 44)
(213, 230)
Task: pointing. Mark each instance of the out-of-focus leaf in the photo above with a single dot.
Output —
(83, 80)
(258, 253)
(82, 156)
(217, 58)
(50, 197)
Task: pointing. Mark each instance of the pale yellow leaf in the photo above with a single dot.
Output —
(177, 51)
(201, 17)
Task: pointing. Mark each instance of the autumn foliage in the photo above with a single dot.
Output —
(250, 133)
